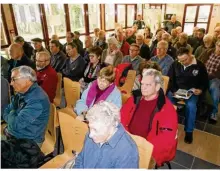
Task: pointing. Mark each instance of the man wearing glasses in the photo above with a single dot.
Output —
(46, 75)
(188, 73)
(28, 113)
(133, 57)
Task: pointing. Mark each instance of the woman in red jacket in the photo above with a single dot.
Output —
(149, 114)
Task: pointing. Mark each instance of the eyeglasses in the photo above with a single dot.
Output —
(41, 61)
(133, 50)
(13, 79)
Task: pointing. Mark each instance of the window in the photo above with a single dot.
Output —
(130, 17)
(55, 17)
(109, 16)
(94, 16)
(139, 9)
(76, 12)
(5, 39)
(196, 15)
(27, 17)
(121, 14)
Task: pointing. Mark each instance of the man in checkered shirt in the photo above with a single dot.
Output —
(213, 69)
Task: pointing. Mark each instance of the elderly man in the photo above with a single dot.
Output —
(140, 23)
(69, 39)
(58, 57)
(18, 58)
(216, 33)
(208, 44)
(77, 40)
(55, 37)
(88, 45)
(133, 57)
(38, 47)
(174, 37)
(107, 145)
(46, 75)
(213, 69)
(146, 114)
(188, 73)
(173, 23)
(144, 49)
(28, 113)
(28, 49)
(171, 50)
(162, 58)
(198, 40)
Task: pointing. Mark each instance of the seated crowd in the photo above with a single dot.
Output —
(190, 62)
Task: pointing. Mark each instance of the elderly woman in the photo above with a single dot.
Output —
(101, 89)
(101, 40)
(107, 145)
(183, 38)
(92, 68)
(112, 55)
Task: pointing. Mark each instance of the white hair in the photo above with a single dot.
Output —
(157, 76)
(26, 72)
(140, 35)
(208, 36)
(105, 112)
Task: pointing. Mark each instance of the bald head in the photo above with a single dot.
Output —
(15, 51)
(54, 37)
(173, 19)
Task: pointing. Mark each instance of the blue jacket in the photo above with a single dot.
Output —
(119, 152)
(27, 115)
(114, 97)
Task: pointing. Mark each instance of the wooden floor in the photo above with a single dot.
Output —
(205, 146)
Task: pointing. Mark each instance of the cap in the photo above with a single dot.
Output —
(18, 39)
(76, 32)
(37, 40)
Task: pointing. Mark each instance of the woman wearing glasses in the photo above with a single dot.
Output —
(101, 89)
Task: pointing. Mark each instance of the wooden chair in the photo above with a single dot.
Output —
(125, 97)
(72, 94)
(129, 82)
(57, 99)
(166, 83)
(48, 145)
(73, 134)
(145, 150)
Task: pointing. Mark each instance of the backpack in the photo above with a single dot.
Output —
(121, 72)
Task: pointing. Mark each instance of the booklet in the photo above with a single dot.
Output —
(184, 94)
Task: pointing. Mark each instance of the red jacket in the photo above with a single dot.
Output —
(47, 79)
(163, 125)
(125, 48)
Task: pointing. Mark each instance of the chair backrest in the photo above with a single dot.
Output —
(165, 83)
(145, 150)
(125, 97)
(72, 92)
(73, 132)
(52, 123)
(129, 82)
(59, 84)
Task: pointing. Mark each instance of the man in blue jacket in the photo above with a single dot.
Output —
(28, 113)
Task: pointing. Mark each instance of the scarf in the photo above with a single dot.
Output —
(93, 92)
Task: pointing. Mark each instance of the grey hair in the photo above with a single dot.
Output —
(27, 72)
(157, 76)
(105, 112)
(140, 35)
(208, 36)
(45, 54)
(163, 43)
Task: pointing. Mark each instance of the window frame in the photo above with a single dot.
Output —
(5, 29)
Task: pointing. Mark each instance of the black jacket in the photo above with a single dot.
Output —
(58, 61)
(172, 51)
(16, 63)
(194, 76)
(145, 52)
(20, 153)
(74, 70)
(28, 49)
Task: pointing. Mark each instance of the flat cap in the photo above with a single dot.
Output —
(18, 39)
(37, 40)
(76, 32)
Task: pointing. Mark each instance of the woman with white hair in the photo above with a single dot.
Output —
(112, 55)
(107, 145)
